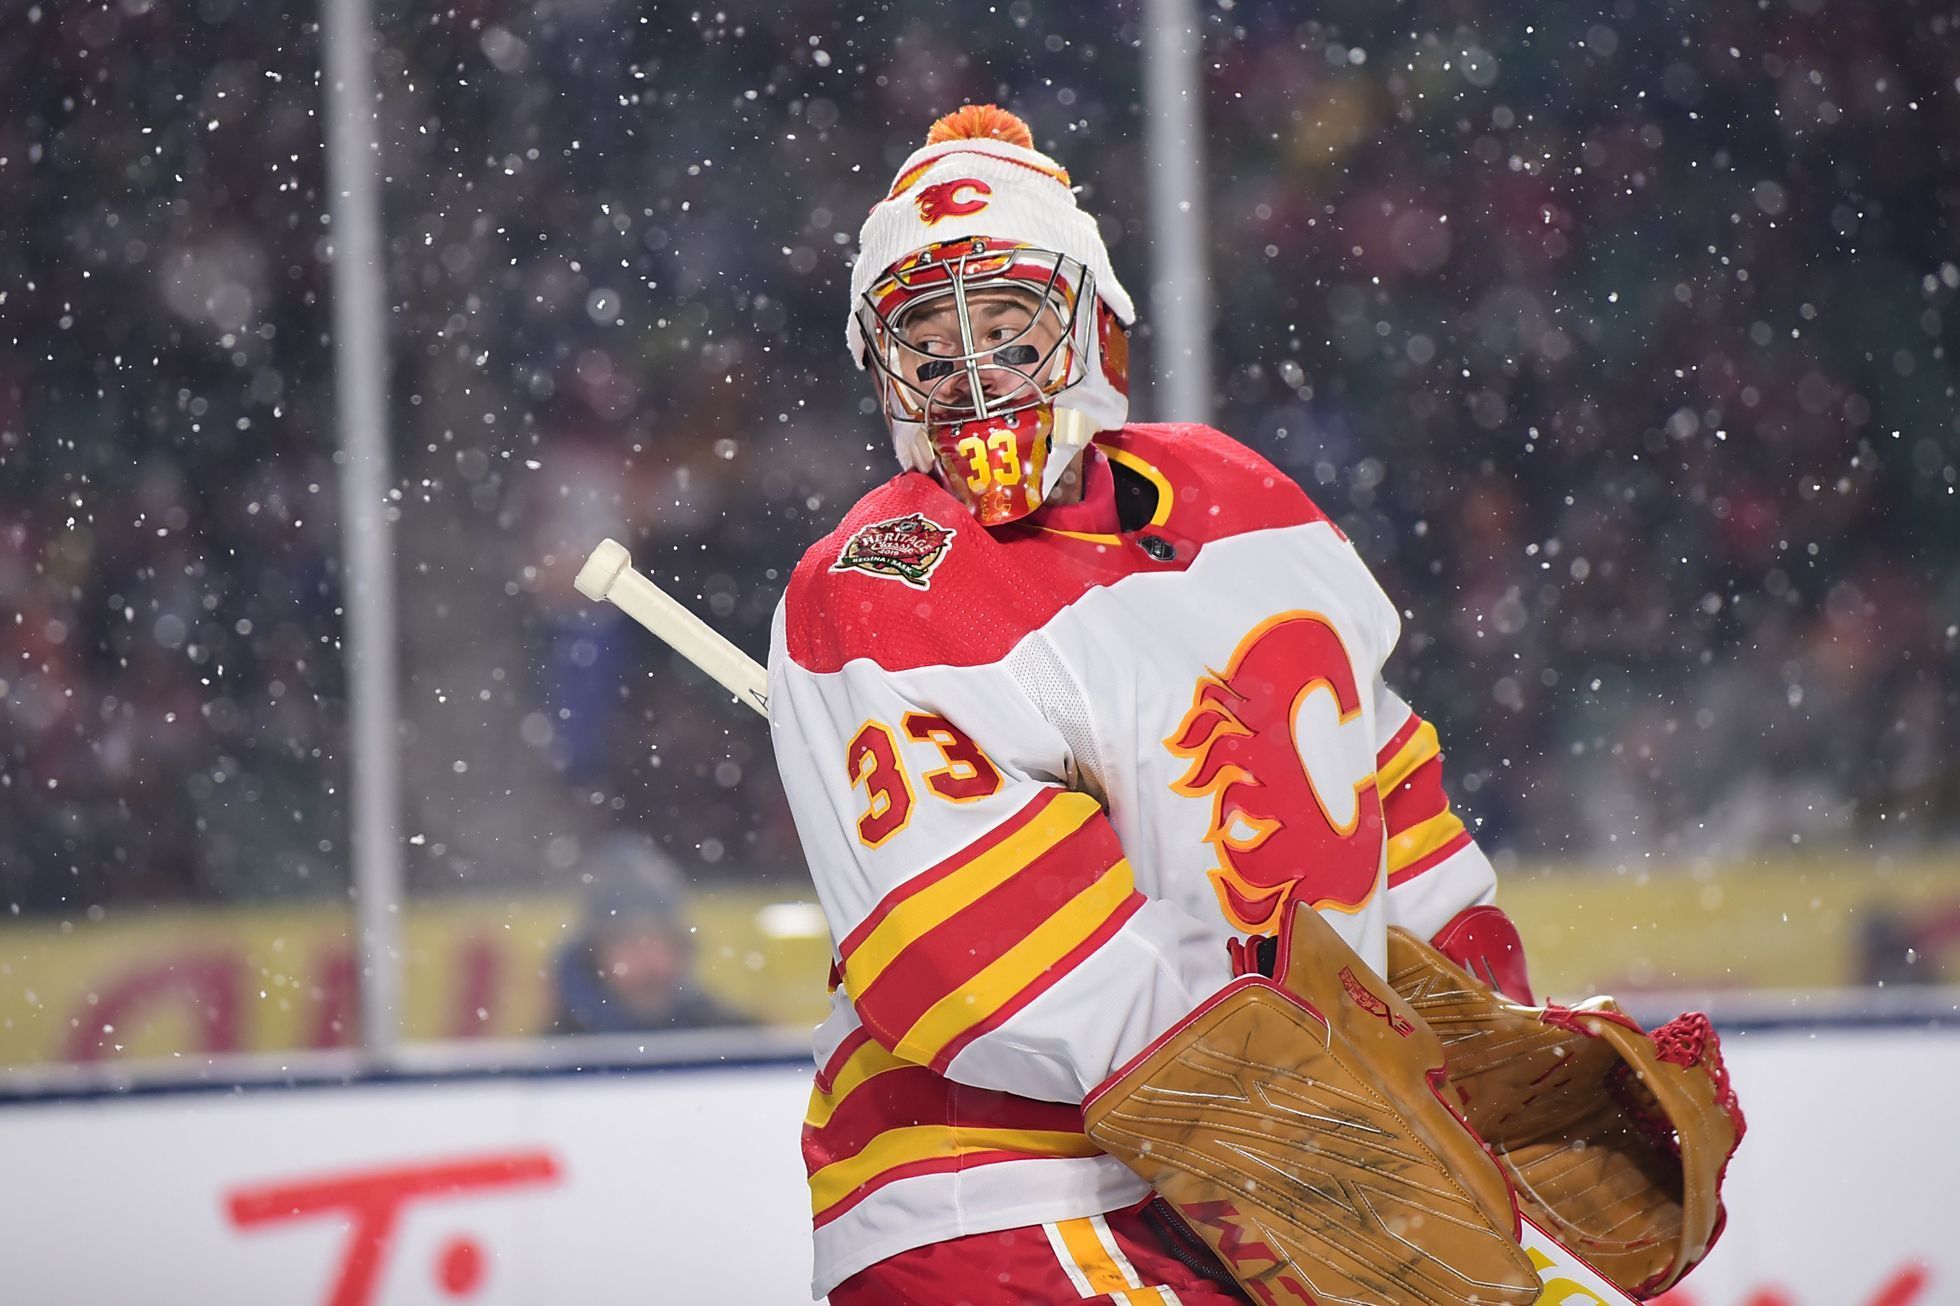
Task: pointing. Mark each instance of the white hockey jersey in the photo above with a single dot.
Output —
(1042, 773)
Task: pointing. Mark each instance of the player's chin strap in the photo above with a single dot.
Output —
(1615, 1140)
(1074, 431)
(1295, 1123)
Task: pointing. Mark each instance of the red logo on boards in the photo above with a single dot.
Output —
(949, 199)
(902, 549)
(369, 1202)
(1907, 1286)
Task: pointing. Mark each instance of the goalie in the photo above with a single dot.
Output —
(1118, 831)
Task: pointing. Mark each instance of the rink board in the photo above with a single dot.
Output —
(655, 1186)
(282, 978)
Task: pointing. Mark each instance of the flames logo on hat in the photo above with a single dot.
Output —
(945, 200)
(1275, 741)
(902, 549)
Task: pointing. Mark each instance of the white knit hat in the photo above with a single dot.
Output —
(968, 181)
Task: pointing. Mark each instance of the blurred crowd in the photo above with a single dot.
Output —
(1616, 335)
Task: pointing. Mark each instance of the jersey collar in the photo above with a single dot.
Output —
(1095, 513)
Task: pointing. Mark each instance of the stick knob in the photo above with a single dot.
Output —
(595, 579)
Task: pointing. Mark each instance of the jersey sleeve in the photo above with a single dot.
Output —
(1435, 869)
(985, 919)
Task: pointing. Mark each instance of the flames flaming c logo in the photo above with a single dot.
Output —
(944, 200)
(1254, 735)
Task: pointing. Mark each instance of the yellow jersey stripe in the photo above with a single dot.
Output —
(896, 1147)
(1060, 1251)
(1090, 1257)
(867, 1062)
(1113, 541)
(1421, 746)
(1018, 967)
(938, 901)
(1420, 840)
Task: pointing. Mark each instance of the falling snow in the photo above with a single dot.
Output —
(1618, 337)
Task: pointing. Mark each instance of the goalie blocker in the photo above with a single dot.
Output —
(1307, 1127)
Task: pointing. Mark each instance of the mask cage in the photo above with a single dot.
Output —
(957, 271)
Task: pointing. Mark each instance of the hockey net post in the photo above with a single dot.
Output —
(608, 576)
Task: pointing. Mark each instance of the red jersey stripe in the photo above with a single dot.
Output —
(917, 1096)
(1386, 753)
(931, 1165)
(827, 1074)
(933, 875)
(1415, 800)
(1434, 859)
(945, 957)
(1103, 934)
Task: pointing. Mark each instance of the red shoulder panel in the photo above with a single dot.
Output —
(910, 579)
(904, 580)
(1220, 488)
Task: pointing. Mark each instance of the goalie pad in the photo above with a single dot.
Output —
(1295, 1123)
(1614, 1139)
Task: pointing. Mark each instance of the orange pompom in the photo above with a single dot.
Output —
(981, 122)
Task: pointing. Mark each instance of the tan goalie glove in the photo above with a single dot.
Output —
(1295, 1123)
(1615, 1140)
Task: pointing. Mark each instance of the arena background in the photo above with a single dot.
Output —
(1617, 335)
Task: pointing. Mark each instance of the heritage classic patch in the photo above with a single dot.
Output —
(903, 549)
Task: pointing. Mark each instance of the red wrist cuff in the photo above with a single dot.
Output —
(1483, 941)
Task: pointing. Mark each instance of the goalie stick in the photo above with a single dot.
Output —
(608, 576)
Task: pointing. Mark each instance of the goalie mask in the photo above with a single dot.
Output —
(986, 311)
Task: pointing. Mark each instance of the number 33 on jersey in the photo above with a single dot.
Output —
(963, 775)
